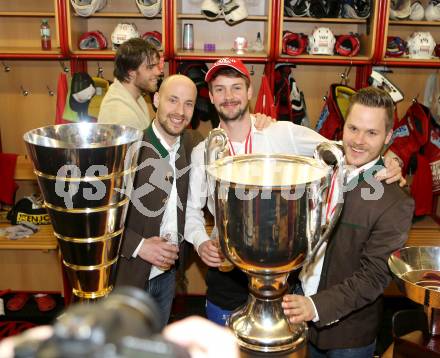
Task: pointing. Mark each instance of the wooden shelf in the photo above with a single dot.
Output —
(202, 17)
(413, 23)
(29, 50)
(93, 53)
(411, 62)
(337, 20)
(321, 59)
(326, 57)
(26, 14)
(118, 15)
(219, 53)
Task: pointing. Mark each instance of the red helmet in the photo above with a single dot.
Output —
(294, 44)
(347, 45)
(92, 40)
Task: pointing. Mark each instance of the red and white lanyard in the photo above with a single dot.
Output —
(247, 144)
(332, 198)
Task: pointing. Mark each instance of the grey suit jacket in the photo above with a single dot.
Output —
(355, 270)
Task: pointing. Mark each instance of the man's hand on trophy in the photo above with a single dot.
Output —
(210, 253)
(298, 308)
(263, 121)
(157, 251)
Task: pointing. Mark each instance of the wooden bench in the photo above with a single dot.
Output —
(32, 263)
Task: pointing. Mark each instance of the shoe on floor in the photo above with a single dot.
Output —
(17, 302)
(45, 303)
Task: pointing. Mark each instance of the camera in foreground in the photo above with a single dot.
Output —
(123, 325)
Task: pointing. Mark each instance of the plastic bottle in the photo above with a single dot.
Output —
(45, 35)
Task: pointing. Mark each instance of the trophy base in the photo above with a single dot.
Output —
(262, 326)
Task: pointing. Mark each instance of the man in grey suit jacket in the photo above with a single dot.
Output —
(343, 286)
(158, 202)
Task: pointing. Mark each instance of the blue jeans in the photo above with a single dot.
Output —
(359, 352)
(216, 314)
(162, 288)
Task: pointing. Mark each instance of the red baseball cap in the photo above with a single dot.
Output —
(226, 62)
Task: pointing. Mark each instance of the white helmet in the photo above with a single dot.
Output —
(211, 8)
(417, 11)
(235, 11)
(321, 42)
(87, 8)
(421, 45)
(400, 9)
(123, 32)
(432, 12)
(149, 8)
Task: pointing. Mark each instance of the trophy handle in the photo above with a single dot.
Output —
(330, 153)
(216, 146)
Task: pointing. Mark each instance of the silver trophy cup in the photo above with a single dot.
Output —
(417, 273)
(269, 213)
(84, 171)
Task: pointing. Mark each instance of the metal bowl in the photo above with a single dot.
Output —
(417, 272)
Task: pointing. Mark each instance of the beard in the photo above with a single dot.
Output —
(235, 116)
(169, 129)
(146, 87)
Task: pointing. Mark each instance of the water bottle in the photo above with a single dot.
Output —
(45, 35)
(188, 37)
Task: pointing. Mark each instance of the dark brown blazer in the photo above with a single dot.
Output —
(355, 270)
(156, 180)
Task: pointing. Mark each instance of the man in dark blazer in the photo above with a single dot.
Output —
(158, 201)
(343, 286)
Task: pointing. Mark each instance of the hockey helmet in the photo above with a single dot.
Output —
(211, 8)
(297, 8)
(235, 11)
(294, 44)
(321, 42)
(92, 40)
(154, 38)
(149, 8)
(421, 45)
(400, 9)
(87, 8)
(123, 32)
(417, 11)
(432, 12)
(347, 45)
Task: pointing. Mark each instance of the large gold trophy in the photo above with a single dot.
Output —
(269, 212)
(84, 171)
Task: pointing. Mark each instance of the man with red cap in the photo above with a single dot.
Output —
(230, 92)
